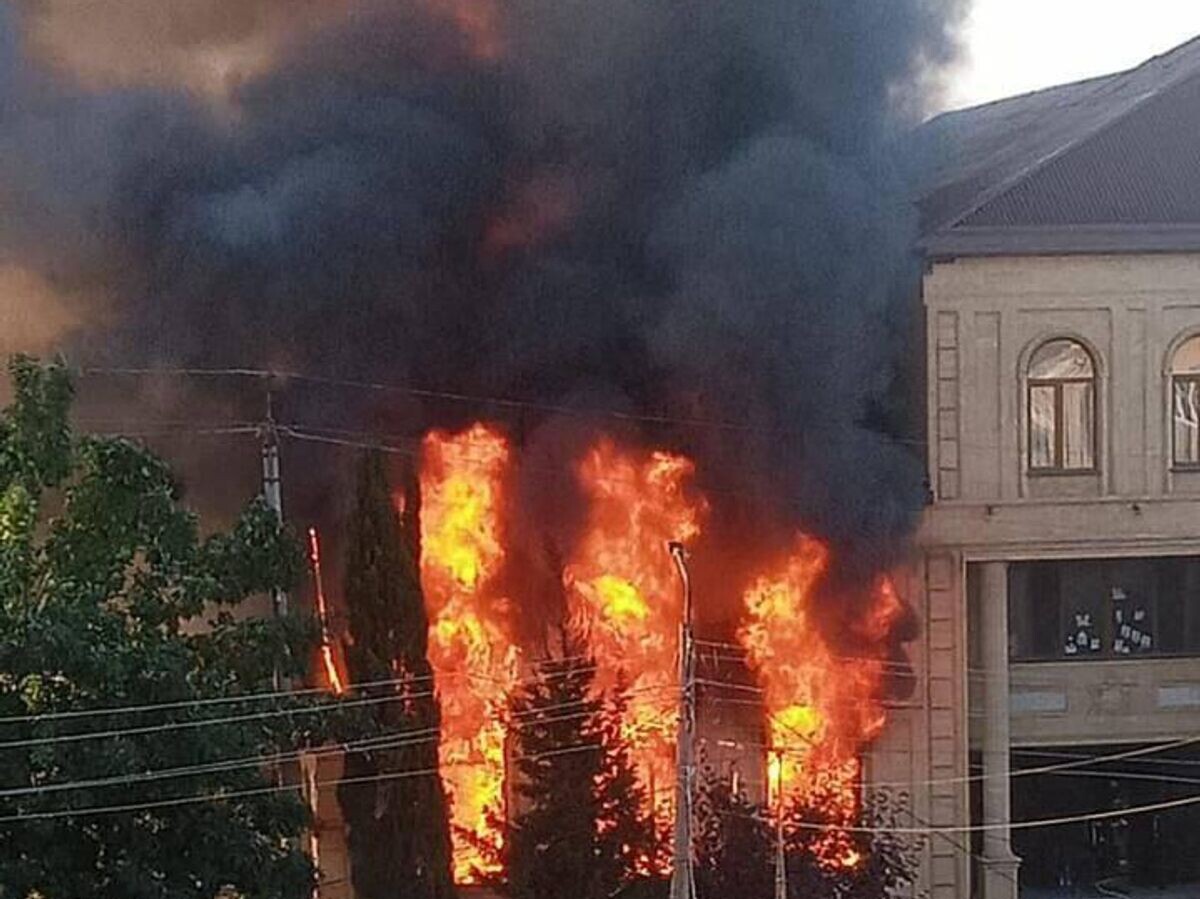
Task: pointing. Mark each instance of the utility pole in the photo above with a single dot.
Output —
(780, 855)
(683, 883)
(272, 490)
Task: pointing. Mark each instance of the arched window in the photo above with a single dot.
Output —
(1062, 408)
(1185, 404)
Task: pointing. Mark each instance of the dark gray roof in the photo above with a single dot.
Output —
(1103, 165)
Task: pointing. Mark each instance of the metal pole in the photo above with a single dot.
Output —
(272, 488)
(780, 855)
(683, 885)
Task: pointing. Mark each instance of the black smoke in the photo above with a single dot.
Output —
(682, 210)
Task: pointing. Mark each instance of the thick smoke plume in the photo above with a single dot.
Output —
(683, 210)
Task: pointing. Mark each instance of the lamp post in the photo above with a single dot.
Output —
(683, 885)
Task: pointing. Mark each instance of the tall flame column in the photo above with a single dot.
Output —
(999, 864)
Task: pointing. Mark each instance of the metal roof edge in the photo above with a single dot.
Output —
(1061, 240)
(998, 189)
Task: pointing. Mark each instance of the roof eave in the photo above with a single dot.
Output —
(1061, 240)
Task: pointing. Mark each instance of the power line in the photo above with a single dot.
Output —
(259, 791)
(1042, 753)
(206, 722)
(307, 691)
(400, 739)
(423, 393)
(477, 399)
(431, 734)
(932, 830)
(396, 740)
(1035, 824)
(266, 695)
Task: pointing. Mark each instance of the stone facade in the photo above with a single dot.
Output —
(985, 318)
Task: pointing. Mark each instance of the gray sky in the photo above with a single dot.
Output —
(1014, 46)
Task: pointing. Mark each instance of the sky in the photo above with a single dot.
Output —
(1015, 46)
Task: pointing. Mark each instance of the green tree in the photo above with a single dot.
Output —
(580, 828)
(552, 837)
(109, 597)
(734, 843)
(398, 827)
(735, 848)
(628, 846)
(887, 861)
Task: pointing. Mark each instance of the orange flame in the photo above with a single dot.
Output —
(471, 651)
(625, 601)
(822, 709)
(333, 677)
(625, 595)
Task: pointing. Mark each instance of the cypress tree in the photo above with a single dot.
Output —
(399, 833)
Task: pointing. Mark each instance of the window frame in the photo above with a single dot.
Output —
(1057, 384)
(1175, 381)
(1168, 581)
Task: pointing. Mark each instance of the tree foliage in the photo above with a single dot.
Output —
(887, 860)
(736, 849)
(398, 827)
(110, 597)
(580, 827)
(734, 844)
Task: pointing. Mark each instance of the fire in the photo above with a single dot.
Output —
(822, 709)
(624, 591)
(332, 674)
(624, 597)
(471, 651)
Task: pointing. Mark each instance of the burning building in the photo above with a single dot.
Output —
(1056, 570)
(783, 718)
(621, 601)
(603, 294)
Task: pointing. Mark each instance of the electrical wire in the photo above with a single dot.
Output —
(401, 739)
(810, 826)
(264, 696)
(1076, 763)
(206, 722)
(1035, 824)
(260, 791)
(306, 691)
(531, 719)
(423, 393)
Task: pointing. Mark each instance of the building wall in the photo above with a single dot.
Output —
(1091, 703)
(328, 837)
(922, 751)
(984, 319)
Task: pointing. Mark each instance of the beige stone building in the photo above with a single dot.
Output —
(1059, 568)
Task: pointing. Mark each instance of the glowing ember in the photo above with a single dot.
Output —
(821, 709)
(473, 656)
(333, 677)
(625, 594)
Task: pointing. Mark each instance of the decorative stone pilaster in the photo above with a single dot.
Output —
(999, 864)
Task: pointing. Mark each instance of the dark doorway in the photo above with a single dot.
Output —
(1142, 848)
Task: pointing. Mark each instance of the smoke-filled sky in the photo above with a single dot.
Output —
(667, 208)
